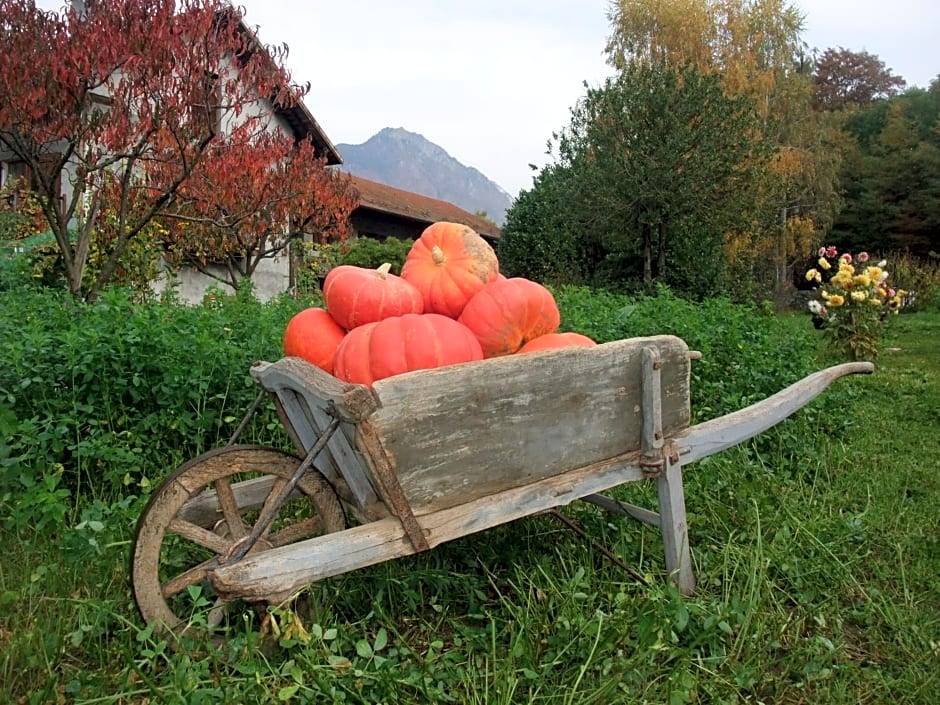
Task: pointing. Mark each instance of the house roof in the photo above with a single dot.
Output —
(388, 199)
(303, 124)
(298, 116)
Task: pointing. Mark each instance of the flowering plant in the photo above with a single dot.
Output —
(855, 299)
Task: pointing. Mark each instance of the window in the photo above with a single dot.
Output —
(207, 104)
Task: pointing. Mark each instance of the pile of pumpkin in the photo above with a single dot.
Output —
(449, 305)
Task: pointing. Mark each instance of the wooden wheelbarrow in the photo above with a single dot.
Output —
(428, 457)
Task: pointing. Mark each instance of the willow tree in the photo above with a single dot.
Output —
(755, 47)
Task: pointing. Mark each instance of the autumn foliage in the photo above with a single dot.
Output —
(152, 109)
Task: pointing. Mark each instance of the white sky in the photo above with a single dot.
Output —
(490, 80)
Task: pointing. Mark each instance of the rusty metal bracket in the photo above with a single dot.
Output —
(599, 547)
(247, 418)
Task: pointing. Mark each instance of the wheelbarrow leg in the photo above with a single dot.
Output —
(674, 526)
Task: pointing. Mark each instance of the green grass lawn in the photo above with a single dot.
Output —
(816, 547)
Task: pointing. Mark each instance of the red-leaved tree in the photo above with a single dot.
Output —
(147, 109)
(241, 206)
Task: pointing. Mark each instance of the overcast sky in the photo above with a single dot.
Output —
(490, 80)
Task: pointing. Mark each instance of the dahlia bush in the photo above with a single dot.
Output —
(855, 300)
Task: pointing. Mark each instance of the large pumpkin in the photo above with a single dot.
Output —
(506, 314)
(313, 335)
(552, 341)
(358, 295)
(448, 264)
(400, 344)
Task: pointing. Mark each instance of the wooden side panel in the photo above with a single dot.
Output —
(459, 433)
(309, 397)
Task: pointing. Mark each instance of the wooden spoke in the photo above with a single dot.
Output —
(223, 489)
(216, 614)
(196, 534)
(197, 496)
(297, 532)
(272, 497)
(189, 577)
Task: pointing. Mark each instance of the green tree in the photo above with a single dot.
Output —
(656, 166)
(540, 239)
(755, 47)
(892, 177)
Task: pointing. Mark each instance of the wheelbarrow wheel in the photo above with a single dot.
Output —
(197, 516)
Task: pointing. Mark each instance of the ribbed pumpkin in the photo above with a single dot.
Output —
(358, 295)
(506, 314)
(552, 341)
(448, 264)
(313, 335)
(401, 344)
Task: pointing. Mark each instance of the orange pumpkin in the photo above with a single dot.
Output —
(506, 314)
(551, 341)
(448, 264)
(401, 344)
(358, 295)
(313, 335)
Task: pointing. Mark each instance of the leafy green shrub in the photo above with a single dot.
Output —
(114, 393)
(361, 252)
(748, 352)
(920, 278)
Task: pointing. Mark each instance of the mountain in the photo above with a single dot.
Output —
(408, 161)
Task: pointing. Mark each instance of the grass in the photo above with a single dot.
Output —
(815, 547)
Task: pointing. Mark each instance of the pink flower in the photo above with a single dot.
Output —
(862, 256)
(831, 251)
(822, 252)
(847, 258)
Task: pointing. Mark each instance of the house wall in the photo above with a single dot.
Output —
(270, 279)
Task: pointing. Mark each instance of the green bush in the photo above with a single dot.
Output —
(115, 393)
(362, 252)
(748, 352)
(920, 278)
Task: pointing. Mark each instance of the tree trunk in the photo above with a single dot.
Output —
(647, 253)
(661, 253)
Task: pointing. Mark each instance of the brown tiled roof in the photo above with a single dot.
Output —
(388, 199)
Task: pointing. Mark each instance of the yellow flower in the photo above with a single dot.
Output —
(862, 280)
(874, 302)
(874, 273)
(824, 263)
(859, 296)
(842, 279)
(813, 275)
(835, 300)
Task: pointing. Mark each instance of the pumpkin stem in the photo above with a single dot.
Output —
(437, 254)
(384, 270)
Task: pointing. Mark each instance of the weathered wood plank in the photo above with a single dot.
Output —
(675, 527)
(291, 567)
(308, 397)
(353, 402)
(623, 508)
(714, 436)
(464, 432)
